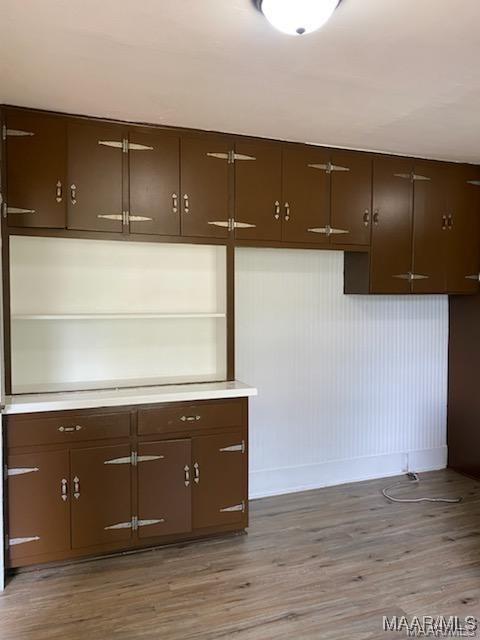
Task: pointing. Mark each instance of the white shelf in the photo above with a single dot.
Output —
(113, 316)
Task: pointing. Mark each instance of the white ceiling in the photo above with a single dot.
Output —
(391, 75)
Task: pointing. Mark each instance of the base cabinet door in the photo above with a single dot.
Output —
(164, 488)
(205, 189)
(101, 495)
(95, 177)
(36, 148)
(154, 173)
(258, 191)
(306, 195)
(391, 252)
(38, 504)
(219, 480)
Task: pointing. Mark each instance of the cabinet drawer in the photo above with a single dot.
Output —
(191, 415)
(66, 428)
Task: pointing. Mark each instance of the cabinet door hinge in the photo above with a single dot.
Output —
(16, 133)
(235, 507)
(474, 276)
(234, 447)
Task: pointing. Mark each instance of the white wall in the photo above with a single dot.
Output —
(349, 387)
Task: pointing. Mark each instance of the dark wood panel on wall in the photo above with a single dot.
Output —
(36, 190)
(205, 186)
(258, 190)
(95, 196)
(154, 182)
(391, 252)
(463, 396)
(306, 194)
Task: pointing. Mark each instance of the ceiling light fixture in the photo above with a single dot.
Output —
(297, 17)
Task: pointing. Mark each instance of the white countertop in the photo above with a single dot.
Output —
(33, 403)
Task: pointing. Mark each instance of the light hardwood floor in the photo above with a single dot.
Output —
(315, 565)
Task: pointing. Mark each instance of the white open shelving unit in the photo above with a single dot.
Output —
(97, 314)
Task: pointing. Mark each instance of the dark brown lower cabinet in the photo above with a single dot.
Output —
(104, 486)
(38, 506)
(219, 480)
(164, 488)
(101, 495)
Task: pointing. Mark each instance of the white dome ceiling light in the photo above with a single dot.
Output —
(297, 17)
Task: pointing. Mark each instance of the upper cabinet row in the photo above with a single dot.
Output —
(90, 176)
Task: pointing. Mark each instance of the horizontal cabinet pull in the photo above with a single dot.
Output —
(328, 167)
(19, 210)
(77, 427)
(411, 276)
(475, 276)
(20, 471)
(14, 541)
(328, 230)
(235, 507)
(476, 183)
(234, 447)
(190, 418)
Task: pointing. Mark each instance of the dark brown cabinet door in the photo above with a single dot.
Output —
(38, 504)
(219, 476)
(154, 171)
(391, 252)
(258, 190)
(351, 197)
(95, 177)
(463, 236)
(36, 148)
(204, 195)
(430, 227)
(164, 488)
(101, 495)
(306, 194)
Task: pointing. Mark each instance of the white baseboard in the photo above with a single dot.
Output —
(272, 482)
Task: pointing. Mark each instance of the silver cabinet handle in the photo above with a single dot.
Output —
(64, 489)
(366, 217)
(77, 427)
(186, 469)
(73, 194)
(376, 213)
(287, 211)
(76, 487)
(186, 203)
(190, 418)
(196, 473)
(277, 210)
(450, 222)
(174, 203)
(59, 192)
(444, 223)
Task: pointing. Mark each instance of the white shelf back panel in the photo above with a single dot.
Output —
(64, 275)
(58, 276)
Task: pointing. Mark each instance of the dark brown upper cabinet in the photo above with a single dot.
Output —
(391, 250)
(205, 186)
(258, 190)
(164, 488)
(36, 147)
(38, 504)
(154, 182)
(96, 157)
(351, 197)
(463, 233)
(306, 194)
(101, 495)
(219, 482)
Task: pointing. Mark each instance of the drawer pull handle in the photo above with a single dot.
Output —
(187, 475)
(59, 191)
(196, 473)
(174, 203)
(64, 489)
(76, 487)
(190, 418)
(277, 210)
(73, 194)
(77, 427)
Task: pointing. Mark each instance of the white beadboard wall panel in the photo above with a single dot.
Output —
(340, 378)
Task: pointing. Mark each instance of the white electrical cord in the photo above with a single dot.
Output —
(413, 478)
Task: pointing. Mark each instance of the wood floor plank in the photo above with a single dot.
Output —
(320, 564)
